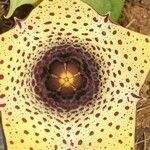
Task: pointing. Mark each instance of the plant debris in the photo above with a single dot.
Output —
(136, 16)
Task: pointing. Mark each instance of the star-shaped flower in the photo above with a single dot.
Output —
(122, 60)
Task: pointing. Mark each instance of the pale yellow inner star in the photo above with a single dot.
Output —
(66, 79)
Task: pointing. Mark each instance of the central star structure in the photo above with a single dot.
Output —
(66, 78)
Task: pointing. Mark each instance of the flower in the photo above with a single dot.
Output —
(114, 63)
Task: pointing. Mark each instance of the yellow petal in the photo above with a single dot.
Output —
(109, 122)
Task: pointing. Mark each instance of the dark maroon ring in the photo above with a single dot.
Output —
(66, 77)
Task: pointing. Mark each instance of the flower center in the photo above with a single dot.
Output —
(66, 77)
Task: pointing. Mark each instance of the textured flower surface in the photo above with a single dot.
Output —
(70, 80)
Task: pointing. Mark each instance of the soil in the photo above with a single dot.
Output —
(135, 16)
